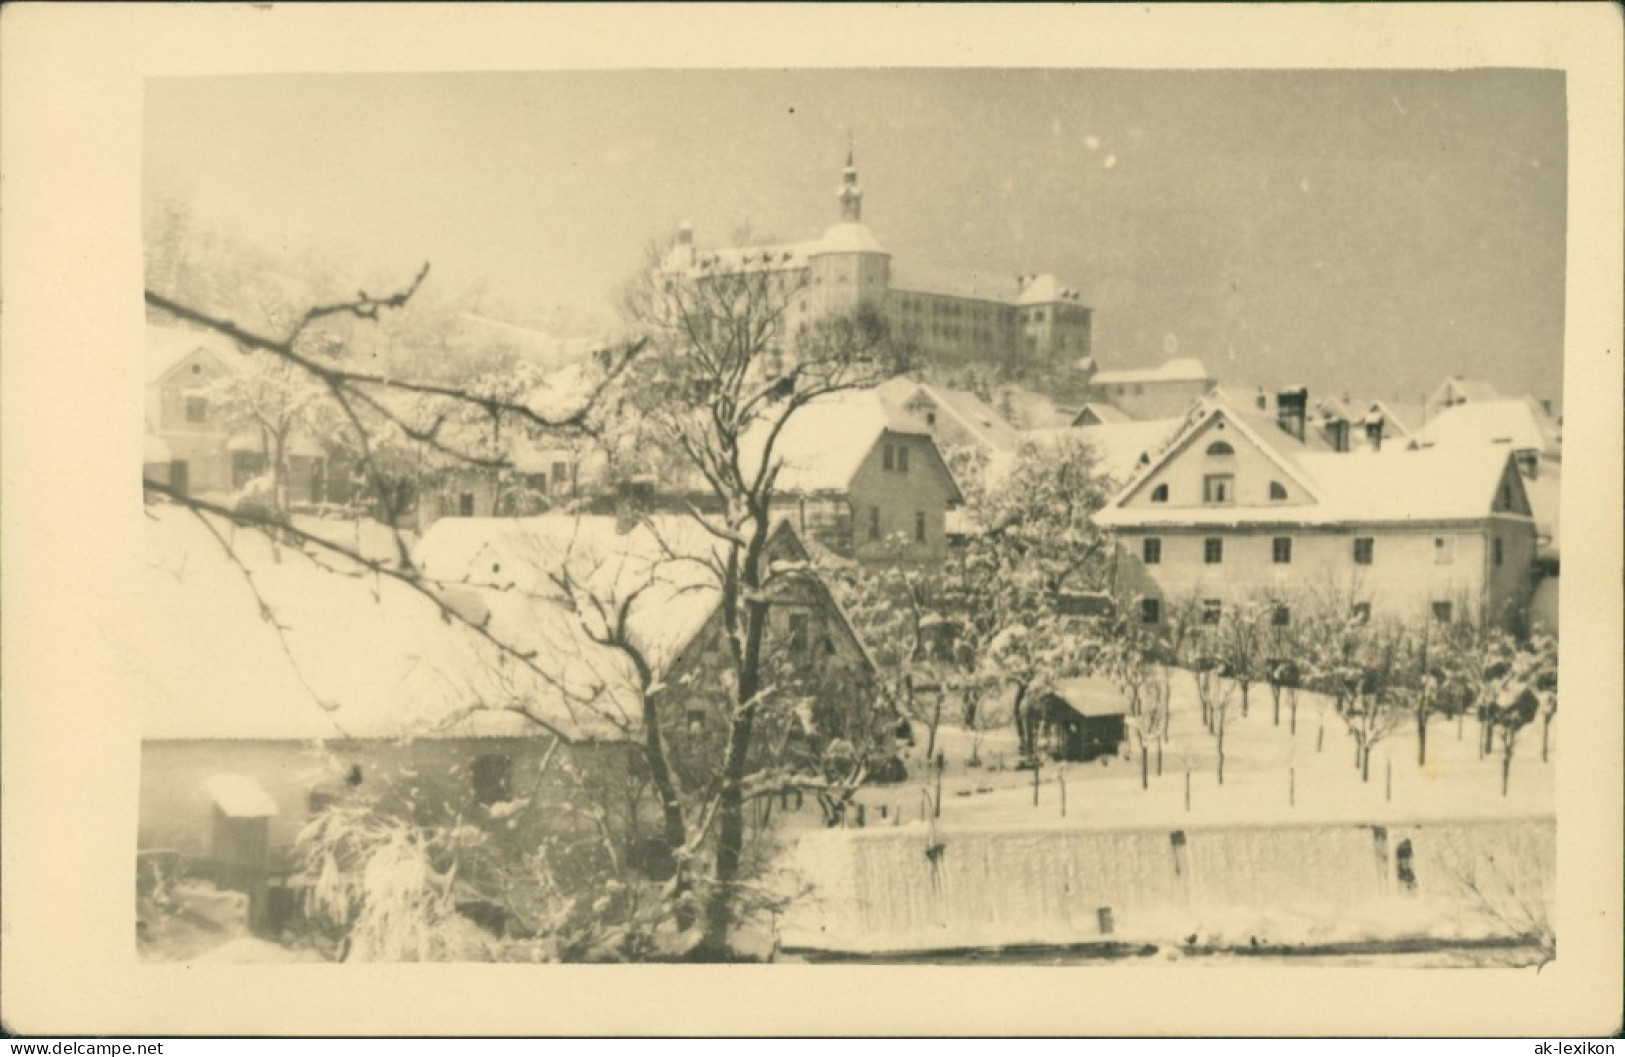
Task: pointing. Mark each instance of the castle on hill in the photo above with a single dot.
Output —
(1041, 330)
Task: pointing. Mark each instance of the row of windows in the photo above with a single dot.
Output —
(1280, 613)
(1365, 550)
(1219, 489)
(874, 524)
(942, 307)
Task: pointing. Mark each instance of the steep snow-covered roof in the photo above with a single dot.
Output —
(360, 655)
(1118, 446)
(1357, 488)
(824, 442)
(1520, 423)
(662, 568)
(972, 413)
(169, 345)
(1183, 369)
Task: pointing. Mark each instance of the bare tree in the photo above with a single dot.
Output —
(1217, 695)
(1240, 645)
(724, 374)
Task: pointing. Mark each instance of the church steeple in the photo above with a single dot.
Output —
(851, 194)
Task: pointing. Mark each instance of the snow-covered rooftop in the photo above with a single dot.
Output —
(824, 442)
(1519, 423)
(972, 413)
(849, 236)
(1184, 369)
(362, 655)
(1354, 488)
(1044, 289)
(169, 345)
(1118, 446)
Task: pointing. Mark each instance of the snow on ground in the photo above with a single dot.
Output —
(1271, 775)
(1251, 865)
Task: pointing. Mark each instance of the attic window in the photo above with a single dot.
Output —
(197, 408)
(1277, 491)
(197, 368)
(1159, 494)
(1220, 448)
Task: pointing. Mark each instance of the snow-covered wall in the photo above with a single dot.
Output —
(893, 889)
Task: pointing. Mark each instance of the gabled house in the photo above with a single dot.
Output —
(1242, 507)
(863, 479)
(365, 684)
(185, 442)
(1526, 428)
(189, 444)
(656, 578)
(954, 417)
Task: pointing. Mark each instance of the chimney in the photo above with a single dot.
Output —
(1373, 430)
(1262, 399)
(685, 234)
(1546, 406)
(1290, 407)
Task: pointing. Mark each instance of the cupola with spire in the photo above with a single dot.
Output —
(850, 193)
(849, 266)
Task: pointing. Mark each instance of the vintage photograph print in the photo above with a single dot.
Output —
(936, 516)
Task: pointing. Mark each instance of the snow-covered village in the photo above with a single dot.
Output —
(871, 516)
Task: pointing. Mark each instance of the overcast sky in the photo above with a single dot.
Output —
(1367, 232)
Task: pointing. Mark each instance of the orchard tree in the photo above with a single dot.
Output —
(1034, 545)
(1217, 696)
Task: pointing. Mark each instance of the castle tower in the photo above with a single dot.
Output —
(849, 266)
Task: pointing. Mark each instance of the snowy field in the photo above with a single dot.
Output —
(1271, 775)
(1293, 854)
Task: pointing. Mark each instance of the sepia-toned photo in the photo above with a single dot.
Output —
(828, 536)
(933, 516)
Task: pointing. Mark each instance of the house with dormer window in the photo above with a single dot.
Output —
(1247, 507)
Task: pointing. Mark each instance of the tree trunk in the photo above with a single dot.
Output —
(1365, 763)
(730, 799)
(1159, 759)
(1221, 747)
(1245, 703)
(1545, 735)
(1421, 737)
(1275, 701)
(931, 734)
(1506, 769)
(1145, 766)
(1292, 702)
(1024, 738)
(654, 749)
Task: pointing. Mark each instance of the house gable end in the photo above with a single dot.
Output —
(1199, 472)
(1510, 495)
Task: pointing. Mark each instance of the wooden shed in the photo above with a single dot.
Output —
(1083, 719)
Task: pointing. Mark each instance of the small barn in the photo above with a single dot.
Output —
(1082, 720)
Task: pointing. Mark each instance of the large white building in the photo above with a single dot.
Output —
(1243, 507)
